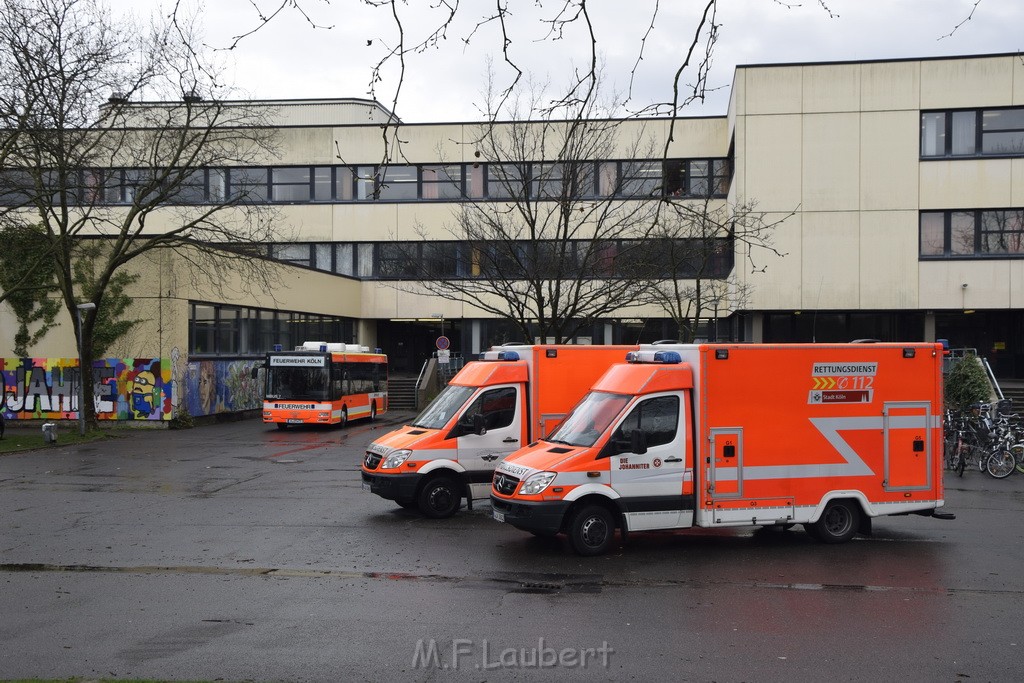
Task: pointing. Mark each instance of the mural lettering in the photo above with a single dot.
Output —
(122, 389)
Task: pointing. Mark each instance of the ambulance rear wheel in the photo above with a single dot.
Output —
(592, 530)
(440, 497)
(838, 523)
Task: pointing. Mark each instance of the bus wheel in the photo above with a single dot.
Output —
(440, 497)
(373, 411)
(282, 425)
(838, 523)
(592, 530)
(344, 417)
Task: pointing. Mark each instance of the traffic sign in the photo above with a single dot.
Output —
(443, 343)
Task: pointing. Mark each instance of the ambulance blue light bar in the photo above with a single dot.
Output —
(499, 355)
(662, 357)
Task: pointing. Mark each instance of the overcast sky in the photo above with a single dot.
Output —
(290, 59)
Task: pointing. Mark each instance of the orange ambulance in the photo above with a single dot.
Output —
(516, 393)
(719, 435)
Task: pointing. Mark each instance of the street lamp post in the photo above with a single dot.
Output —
(81, 370)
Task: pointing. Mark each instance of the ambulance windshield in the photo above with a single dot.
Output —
(442, 408)
(589, 419)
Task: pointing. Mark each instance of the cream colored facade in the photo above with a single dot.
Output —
(837, 145)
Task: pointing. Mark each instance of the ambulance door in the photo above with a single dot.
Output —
(906, 429)
(648, 464)
(499, 411)
(725, 471)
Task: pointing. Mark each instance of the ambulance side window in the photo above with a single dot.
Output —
(658, 418)
(498, 407)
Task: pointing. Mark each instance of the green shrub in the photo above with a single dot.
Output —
(967, 383)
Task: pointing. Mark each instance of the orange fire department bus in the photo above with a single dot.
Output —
(321, 383)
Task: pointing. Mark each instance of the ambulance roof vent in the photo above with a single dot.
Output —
(662, 357)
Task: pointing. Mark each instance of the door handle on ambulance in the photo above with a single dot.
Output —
(673, 459)
(509, 439)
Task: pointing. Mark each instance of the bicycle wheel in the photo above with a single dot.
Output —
(961, 458)
(950, 455)
(1000, 464)
(1018, 456)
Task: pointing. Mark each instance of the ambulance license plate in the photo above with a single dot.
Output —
(500, 516)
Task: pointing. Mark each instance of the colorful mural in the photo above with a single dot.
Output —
(222, 386)
(123, 388)
(129, 389)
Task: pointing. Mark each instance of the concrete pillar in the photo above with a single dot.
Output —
(929, 326)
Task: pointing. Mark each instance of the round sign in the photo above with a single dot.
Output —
(443, 343)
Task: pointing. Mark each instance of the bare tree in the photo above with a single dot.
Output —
(692, 252)
(105, 179)
(550, 249)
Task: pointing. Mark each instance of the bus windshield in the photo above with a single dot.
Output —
(286, 383)
(442, 408)
(589, 419)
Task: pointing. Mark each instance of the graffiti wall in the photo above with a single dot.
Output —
(222, 386)
(129, 389)
(122, 389)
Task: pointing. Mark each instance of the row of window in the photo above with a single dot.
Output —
(222, 329)
(972, 234)
(972, 133)
(446, 260)
(392, 183)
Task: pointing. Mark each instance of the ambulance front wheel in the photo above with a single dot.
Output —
(838, 523)
(440, 497)
(592, 530)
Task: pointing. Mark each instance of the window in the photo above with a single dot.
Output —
(640, 178)
(343, 183)
(297, 254)
(290, 184)
(446, 182)
(442, 182)
(398, 183)
(396, 260)
(233, 330)
(1002, 232)
(972, 132)
(497, 406)
(658, 418)
(366, 179)
(505, 181)
(972, 234)
(1002, 132)
(551, 181)
(248, 184)
(933, 234)
(323, 183)
(191, 190)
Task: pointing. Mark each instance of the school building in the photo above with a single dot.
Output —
(904, 178)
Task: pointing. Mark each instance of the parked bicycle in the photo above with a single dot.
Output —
(986, 436)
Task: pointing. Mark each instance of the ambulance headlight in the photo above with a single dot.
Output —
(396, 459)
(536, 483)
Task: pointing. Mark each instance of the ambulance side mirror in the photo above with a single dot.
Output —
(478, 425)
(638, 442)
